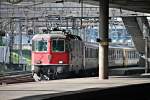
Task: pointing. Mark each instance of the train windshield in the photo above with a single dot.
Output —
(40, 45)
(58, 45)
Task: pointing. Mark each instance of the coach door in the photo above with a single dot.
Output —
(76, 55)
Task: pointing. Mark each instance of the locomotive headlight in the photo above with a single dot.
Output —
(32, 67)
(60, 62)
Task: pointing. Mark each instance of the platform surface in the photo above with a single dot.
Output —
(14, 91)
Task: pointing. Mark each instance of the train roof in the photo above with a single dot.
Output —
(91, 44)
(96, 45)
(75, 37)
(55, 35)
(121, 47)
(47, 36)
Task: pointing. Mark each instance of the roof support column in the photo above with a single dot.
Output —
(103, 33)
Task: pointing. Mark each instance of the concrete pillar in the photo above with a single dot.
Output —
(146, 55)
(146, 37)
(103, 46)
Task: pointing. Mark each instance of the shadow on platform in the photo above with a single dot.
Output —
(131, 92)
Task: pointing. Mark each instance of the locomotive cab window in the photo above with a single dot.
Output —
(40, 45)
(58, 45)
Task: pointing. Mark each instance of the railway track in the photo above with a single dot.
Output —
(12, 78)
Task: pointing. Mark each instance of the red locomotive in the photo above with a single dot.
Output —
(58, 54)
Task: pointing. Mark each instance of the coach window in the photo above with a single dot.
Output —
(58, 45)
(86, 53)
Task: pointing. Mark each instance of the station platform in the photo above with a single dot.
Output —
(59, 89)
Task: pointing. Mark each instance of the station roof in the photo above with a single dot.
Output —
(134, 5)
(34, 8)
